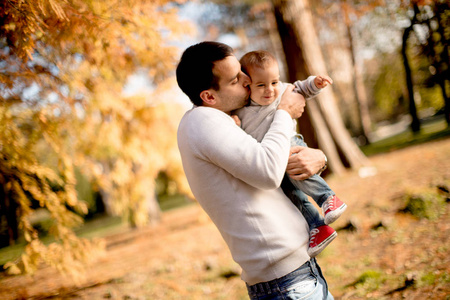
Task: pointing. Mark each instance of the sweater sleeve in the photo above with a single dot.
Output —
(219, 141)
(307, 88)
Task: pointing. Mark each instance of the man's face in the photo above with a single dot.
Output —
(265, 86)
(233, 90)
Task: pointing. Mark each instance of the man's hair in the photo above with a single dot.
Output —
(195, 69)
(259, 59)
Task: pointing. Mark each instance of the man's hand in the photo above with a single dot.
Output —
(305, 163)
(292, 102)
(322, 81)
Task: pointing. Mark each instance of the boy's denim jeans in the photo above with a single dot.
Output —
(307, 282)
(314, 186)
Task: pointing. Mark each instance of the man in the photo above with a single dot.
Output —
(237, 180)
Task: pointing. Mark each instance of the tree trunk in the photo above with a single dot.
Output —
(8, 216)
(323, 123)
(415, 124)
(435, 61)
(153, 209)
(107, 202)
(441, 8)
(360, 91)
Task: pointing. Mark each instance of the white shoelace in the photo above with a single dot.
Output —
(329, 204)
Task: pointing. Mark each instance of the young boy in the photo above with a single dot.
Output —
(256, 118)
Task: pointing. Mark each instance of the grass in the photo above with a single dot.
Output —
(426, 204)
(170, 202)
(97, 227)
(431, 130)
(370, 280)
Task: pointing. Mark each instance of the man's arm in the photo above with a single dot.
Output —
(216, 140)
(262, 165)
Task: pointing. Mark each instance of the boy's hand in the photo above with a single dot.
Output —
(236, 120)
(322, 81)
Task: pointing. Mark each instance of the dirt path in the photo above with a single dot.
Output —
(185, 258)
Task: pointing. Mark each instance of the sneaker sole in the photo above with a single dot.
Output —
(312, 252)
(334, 215)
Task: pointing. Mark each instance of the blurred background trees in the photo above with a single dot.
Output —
(80, 135)
(361, 43)
(428, 21)
(323, 122)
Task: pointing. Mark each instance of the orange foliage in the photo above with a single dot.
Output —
(63, 66)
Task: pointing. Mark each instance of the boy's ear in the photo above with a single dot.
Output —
(208, 97)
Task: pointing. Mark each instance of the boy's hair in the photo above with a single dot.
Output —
(195, 69)
(259, 59)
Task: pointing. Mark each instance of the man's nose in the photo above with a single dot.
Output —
(246, 81)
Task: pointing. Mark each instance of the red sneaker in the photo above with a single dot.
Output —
(319, 238)
(332, 209)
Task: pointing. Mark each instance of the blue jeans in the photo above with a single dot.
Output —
(314, 186)
(307, 282)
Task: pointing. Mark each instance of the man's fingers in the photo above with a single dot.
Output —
(296, 150)
(293, 171)
(299, 176)
(289, 88)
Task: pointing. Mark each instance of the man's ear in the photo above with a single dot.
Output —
(208, 97)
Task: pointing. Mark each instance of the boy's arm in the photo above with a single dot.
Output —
(312, 85)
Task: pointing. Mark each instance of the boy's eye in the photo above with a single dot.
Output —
(260, 85)
(275, 82)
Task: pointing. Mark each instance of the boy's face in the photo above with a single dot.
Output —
(265, 86)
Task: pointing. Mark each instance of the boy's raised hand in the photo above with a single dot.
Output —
(322, 81)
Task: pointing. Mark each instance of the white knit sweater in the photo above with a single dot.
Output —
(236, 180)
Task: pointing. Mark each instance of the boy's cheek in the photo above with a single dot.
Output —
(277, 93)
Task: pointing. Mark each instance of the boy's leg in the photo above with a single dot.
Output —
(320, 234)
(300, 200)
(316, 187)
